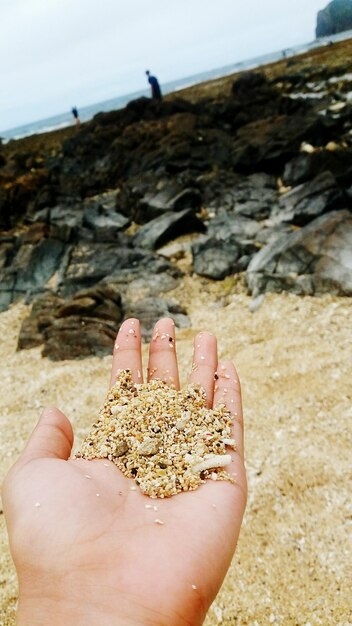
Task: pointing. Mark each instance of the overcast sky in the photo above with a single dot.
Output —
(58, 53)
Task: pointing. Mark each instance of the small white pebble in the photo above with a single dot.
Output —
(202, 358)
(223, 368)
(117, 346)
(198, 345)
(97, 494)
(37, 504)
(148, 506)
(194, 587)
(133, 488)
(87, 476)
(226, 375)
(132, 331)
(214, 506)
(158, 521)
(155, 508)
(106, 465)
(139, 374)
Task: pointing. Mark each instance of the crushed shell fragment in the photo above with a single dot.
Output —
(212, 462)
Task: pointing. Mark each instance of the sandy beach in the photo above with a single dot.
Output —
(293, 562)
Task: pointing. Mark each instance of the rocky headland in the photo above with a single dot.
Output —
(248, 176)
(335, 18)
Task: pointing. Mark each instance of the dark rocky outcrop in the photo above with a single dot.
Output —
(261, 177)
(306, 166)
(149, 310)
(166, 227)
(335, 18)
(311, 199)
(315, 259)
(87, 324)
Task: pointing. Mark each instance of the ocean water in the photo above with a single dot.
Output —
(86, 113)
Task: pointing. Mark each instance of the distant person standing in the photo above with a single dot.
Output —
(75, 115)
(155, 87)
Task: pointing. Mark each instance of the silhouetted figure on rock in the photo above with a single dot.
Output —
(155, 87)
(75, 115)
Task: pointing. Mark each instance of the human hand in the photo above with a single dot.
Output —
(86, 548)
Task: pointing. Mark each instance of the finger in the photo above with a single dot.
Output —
(228, 392)
(205, 361)
(127, 351)
(162, 353)
(52, 437)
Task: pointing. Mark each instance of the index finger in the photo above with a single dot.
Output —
(127, 351)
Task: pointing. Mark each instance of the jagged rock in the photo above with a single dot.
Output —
(315, 259)
(267, 144)
(100, 216)
(254, 98)
(226, 224)
(35, 264)
(135, 283)
(272, 231)
(65, 221)
(78, 337)
(307, 166)
(228, 247)
(309, 200)
(171, 198)
(89, 263)
(27, 269)
(150, 310)
(249, 82)
(7, 288)
(15, 199)
(255, 196)
(35, 233)
(43, 310)
(167, 227)
(207, 149)
(335, 18)
(81, 327)
(103, 302)
(216, 259)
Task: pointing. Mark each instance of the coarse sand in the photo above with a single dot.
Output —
(293, 561)
(166, 439)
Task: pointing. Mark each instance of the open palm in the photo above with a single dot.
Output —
(85, 537)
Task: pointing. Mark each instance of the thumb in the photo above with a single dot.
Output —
(52, 437)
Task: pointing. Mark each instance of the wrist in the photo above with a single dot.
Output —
(58, 613)
(75, 609)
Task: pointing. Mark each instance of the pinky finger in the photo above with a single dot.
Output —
(227, 391)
